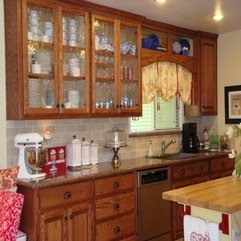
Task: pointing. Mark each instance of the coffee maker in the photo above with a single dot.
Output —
(190, 141)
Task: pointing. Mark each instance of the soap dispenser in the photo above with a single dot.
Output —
(93, 153)
(149, 152)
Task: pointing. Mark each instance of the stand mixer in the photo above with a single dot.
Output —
(31, 155)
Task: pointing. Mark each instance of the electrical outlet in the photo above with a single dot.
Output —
(235, 234)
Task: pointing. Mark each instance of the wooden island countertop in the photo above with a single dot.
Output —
(223, 195)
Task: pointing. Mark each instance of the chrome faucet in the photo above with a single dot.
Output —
(165, 145)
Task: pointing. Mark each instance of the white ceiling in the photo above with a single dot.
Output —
(191, 14)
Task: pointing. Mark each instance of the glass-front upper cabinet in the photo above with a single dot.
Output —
(115, 66)
(40, 28)
(103, 64)
(75, 67)
(56, 73)
(129, 67)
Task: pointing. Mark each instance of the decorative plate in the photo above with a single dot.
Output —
(176, 48)
(155, 42)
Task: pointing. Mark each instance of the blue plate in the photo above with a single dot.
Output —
(185, 44)
(155, 43)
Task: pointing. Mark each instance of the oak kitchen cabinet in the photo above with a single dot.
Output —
(115, 208)
(45, 71)
(116, 73)
(193, 173)
(185, 175)
(64, 212)
(99, 209)
(48, 61)
(207, 73)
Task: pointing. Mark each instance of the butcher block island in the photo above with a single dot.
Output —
(217, 201)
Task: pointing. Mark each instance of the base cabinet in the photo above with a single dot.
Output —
(193, 173)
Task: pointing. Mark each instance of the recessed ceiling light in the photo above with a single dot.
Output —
(218, 17)
(160, 1)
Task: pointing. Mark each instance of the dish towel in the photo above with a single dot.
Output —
(197, 229)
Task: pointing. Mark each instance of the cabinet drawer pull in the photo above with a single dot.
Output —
(116, 185)
(116, 206)
(71, 216)
(182, 171)
(67, 195)
(201, 168)
(116, 229)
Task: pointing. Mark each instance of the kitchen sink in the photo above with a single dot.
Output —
(177, 156)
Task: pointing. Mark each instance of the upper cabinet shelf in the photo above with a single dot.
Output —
(167, 45)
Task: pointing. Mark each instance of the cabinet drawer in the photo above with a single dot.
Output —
(188, 170)
(116, 228)
(225, 173)
(54, 196)
(221, 164)
(114, 184)
(117, 204)
(132, 238)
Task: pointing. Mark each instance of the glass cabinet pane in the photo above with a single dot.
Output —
(104, 64)
(74, 76)
(40, 47)
(129, 67)
(41, 93)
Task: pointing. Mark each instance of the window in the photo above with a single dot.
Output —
(159, 115)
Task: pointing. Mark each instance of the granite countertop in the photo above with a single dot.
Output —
(106, 169)
(223, 195)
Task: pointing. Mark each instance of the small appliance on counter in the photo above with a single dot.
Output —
(32, 155)
(190, 141)
(115, 139)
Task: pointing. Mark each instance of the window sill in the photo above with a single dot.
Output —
(155, 133)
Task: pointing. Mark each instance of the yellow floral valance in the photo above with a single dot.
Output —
(167, 79)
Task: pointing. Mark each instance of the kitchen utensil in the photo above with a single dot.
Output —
(32, 156)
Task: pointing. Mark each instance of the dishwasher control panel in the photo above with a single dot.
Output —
(153, 175)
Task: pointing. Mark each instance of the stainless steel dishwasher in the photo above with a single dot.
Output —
(154, 213)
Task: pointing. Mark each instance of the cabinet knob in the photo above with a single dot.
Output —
(116, 206)
(71, 216)
(57, 105)
(66, 218)
(67, 195)
(62, 105)
(116, 229)
(182, 171)
(117, 106)
(116, 185)
(201, 168)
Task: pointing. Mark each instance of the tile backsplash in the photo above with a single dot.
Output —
(92, 129)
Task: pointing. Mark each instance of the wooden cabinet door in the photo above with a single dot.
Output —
(80, 222)
(116, 78)
(53, 225)
(208, 76)
(129, 75)
(74, 65)
(40, 59)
